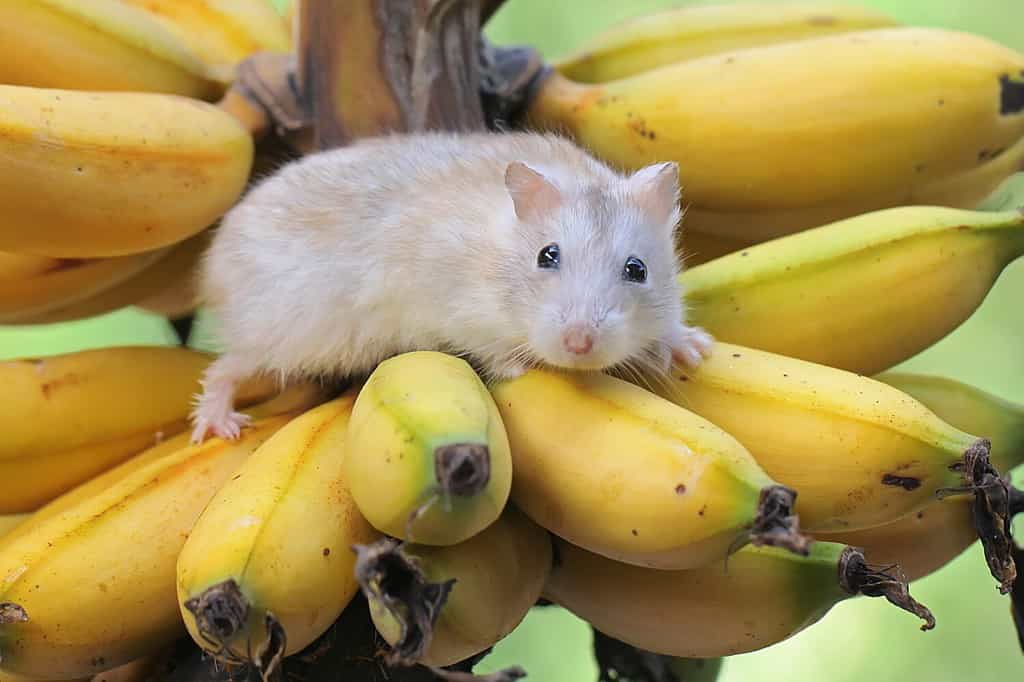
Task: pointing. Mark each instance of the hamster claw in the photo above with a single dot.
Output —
(227, 426)
(691, 346)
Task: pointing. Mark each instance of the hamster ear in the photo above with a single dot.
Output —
(532, 194)
(656, 189)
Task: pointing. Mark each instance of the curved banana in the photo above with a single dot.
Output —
(428, 457)
(248, 579)
(944, 103)
(294, 399)
(441, 605)
(175, 272)
(96, 45)
(760, 597)
(81, 172)
(860, 452)
(862, 294)
(124, 601)
(614, 468)
(925, 541)
(24, 296)
(221, 32)
(682, 33)
(69, 417)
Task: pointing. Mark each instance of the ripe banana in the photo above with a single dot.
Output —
(441, 605)
(294, 399)
(81, 172)
(221, 32)
(860, 452)
(69, 417)
(250, 585)
(112, 556)
(428, 458)
(683, 33)
(96, 45)
(925, 541)
(862, 294)
(612, 467)
(8, 522)
(175, 272)
(57, 283)
(944, 103)
(759, 597)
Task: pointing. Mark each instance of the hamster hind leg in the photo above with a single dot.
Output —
(214, 410)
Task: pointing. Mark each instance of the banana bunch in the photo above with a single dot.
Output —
(762, 153)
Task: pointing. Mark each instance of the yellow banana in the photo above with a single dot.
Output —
(271, 553)
(8, 522)
(441, 605)
(860, 452)
(294, 399)
(614, 468)
(682, 33)
(862, 294)
(927, 540)
(96, 45)
(64, 283)
(759, 597)
(944, 103)
(221, 32)
(174, 271)
(112, 556)
(81, 172)
(69, 417)
(428, 458)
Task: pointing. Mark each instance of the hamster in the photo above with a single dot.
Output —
(512, 249)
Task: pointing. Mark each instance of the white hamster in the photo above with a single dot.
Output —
(510, 249)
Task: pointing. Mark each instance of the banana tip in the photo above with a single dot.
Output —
(775, 524)
(220, 611)
(12, 613)
(462, 469)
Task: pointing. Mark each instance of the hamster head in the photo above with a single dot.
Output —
(602, 287)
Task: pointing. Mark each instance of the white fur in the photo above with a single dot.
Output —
(349, 256)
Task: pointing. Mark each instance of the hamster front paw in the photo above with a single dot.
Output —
(690, 345)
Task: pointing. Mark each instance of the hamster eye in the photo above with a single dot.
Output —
(548, 258)
(634, 270)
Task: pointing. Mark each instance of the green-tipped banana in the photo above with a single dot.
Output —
(441, 605)
(862, 294)
(759, 597)
(428, 458)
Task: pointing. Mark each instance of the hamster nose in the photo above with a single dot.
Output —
(578, 339)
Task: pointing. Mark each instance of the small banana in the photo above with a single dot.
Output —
(761, 596)
(96, 45)
(174, 272)
(943, 104)
(221, 32)
(69, 417)
(112, 557)
(81, 172)
(678, 34)
(441, 605)
(616, 469)
(862, 294)
(268, 566)
(428, 457)
(925, 541)
(860, 452)
(57, 283)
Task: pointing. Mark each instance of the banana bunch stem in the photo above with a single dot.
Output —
(856, 576)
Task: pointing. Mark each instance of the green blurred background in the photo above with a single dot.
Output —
(860, 638)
